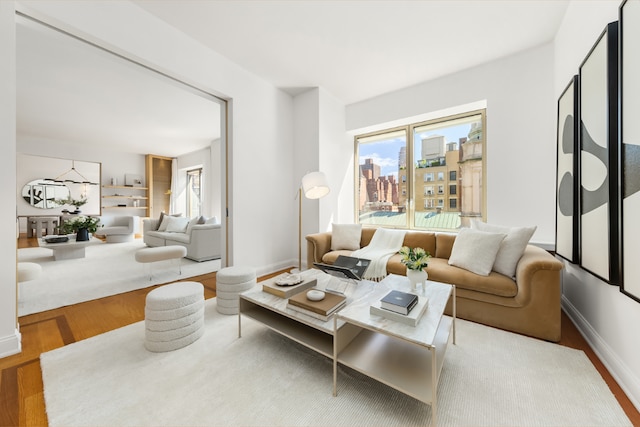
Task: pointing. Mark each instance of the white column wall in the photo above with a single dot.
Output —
(9, 335)
(607, 318)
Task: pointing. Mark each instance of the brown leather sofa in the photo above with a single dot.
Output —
(529, 305)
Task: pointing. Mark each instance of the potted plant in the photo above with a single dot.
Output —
(81, 225)
(416, 260)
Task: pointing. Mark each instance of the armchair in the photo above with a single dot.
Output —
(118, 229)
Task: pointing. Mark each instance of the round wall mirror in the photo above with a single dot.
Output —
(43, 194)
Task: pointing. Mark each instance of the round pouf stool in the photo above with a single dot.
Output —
(174, 316)
(230, 282)
(28, 271)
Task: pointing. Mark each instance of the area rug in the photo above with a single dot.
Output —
(489, 378)
(107, 269)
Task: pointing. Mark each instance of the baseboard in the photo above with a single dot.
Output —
(626, 379)
(11, 344)
(271, 268)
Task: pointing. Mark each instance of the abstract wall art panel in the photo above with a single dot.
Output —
(567, 180)
(599, 213)
(630, 145)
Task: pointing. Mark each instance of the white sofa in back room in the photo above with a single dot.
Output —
(201, 237)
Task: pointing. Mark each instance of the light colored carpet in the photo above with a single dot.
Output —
(107, 269)
(490, 378)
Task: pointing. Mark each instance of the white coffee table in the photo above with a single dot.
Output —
(69, 249)
(407, 358)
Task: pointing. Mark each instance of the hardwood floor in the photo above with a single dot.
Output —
(21, 389)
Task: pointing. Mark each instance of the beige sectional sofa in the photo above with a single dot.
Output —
(528, 304)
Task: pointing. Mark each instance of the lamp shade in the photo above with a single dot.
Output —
(314, 185)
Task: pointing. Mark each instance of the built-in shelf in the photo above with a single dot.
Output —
(115, 195)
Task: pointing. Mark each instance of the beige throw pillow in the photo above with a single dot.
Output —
(345, 236)
(511, 248)
(475, 250)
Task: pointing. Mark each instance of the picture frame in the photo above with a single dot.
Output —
(132, 180)
(568, 174)
(630, 145)
(599, 195)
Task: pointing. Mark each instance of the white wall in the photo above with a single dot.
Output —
(606, 317)
(520, 134)
(9, 334)
(261, 215)
(322, 144)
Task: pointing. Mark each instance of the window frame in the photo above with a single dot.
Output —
(409, 184)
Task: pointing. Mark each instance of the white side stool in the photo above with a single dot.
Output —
(230, 282)
(161, 253)
(174, 316)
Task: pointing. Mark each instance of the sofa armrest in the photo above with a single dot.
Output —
(538, 268)
(205, 242)
(317, 245)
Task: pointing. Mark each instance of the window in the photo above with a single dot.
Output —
(446, 149)
(382, 164)
(194, 191)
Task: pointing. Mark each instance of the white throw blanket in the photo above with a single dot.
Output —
(383, 245)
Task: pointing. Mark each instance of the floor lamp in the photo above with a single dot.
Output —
(314, 186)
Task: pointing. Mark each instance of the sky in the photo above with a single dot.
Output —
(385, 153)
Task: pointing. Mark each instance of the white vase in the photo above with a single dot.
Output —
(416, 277)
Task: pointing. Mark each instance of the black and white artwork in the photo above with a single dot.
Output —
(630, 145)
(599, 213)
(567, 181)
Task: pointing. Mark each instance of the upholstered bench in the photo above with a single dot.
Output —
(230, 282)
(161, 253)
(174, 316)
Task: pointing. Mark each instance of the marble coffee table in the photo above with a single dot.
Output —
(70, 249)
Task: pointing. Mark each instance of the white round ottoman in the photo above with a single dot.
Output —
(174, 316)
(230, 282)
(28, 271)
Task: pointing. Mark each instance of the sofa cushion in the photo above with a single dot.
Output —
(511, 248)
(168, 237)
(330, 257)
(345, 236)
(475, 250)
(177, 224)
(494, 283)
(162, 224)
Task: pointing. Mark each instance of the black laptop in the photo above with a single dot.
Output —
(345, 267)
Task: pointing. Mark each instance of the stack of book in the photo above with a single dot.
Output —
(401, 307)
(285, 286)
(318, 309)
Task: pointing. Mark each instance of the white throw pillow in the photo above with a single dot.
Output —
(345, 236)
(511, 248)
(475, 250)
(177, 224)
(162, 224)
(212, 220)
(193, 221)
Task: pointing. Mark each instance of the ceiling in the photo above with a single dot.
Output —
(72, 92)
(364, 48)
(75, 93)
